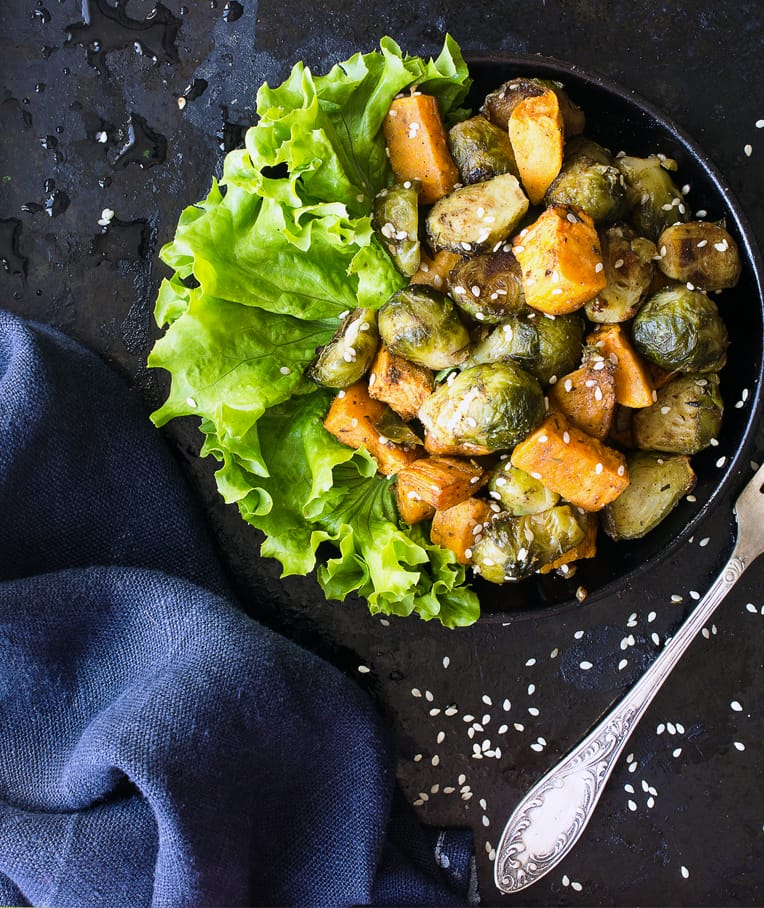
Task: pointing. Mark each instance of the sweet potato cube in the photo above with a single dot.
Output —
(435, 271)
(352, 419)
(537, 134)
(442, 481)
(587, 548)
(401, 384)
(455, 528)
(633, 381)
(417, 145)
(586, 397)
(411, 508)
(581, 469)
(561, 260)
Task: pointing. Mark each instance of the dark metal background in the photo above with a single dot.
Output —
(91, 121)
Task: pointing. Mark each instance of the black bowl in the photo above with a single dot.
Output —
(620, 120)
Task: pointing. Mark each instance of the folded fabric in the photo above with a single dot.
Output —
(160, 747)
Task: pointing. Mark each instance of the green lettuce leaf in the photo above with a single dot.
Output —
(262, 270)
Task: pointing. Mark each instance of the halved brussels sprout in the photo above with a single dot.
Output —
(546, 346)
(422, 325)
(481, 150)
(657, 484)
(681, 330)
(513, 548)
(590, 181)
(629, 269)
(348, 355)
(684, 419)
(396, 222)
(515, 339)
(474, 218)
(701, 253)
(499, 104)
(489, 287)
(518, 492)
(482, 409)
(653, 197)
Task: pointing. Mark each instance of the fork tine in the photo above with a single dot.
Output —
(752, 494)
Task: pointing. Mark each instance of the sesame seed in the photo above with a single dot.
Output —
(446, 661)
(739, 745)
(364, 669)
(735, 706)
(598, 267)
(530, 662)
(191, 402)
(585, 666)
(747, 150)
(487, 700)
(684, 871)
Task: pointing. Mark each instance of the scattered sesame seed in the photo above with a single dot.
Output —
(585, 666)
(631, 804)
(622, 664)
(435, 760)
(735, 706)
(576, 886)
(748, 150)
(441, 737)
(684, 871)
(676, 752)
(487, 700)
(739, 745)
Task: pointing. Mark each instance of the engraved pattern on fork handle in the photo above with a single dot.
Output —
(548, 821)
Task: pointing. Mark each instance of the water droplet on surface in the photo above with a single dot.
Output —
(123, 241)
(232, 11)
(195, 89)
(144, 147)
(108, 28)
(11, 258)
(41, 14)
(13, 116)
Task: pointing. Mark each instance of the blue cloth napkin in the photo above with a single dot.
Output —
(157, 745)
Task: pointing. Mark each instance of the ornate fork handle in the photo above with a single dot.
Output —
(549, 820)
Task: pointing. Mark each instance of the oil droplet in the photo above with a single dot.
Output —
(107, 28)
(11, 258)
(123, 241)
(144, 147)
(232, 11)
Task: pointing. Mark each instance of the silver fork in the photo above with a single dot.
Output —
(549, 820)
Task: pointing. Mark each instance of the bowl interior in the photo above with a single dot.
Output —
(623, 122)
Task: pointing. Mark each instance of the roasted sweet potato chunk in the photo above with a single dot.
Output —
(633, 381)
(457, 527)
(581, 469)
(442, 481)
(417, 143)
(352, 419)
(561, 260)
(537, 135)
(401, 384)
(586, 397)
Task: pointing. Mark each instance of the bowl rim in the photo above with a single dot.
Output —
(734, 475)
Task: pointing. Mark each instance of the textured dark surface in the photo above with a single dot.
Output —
(88, 127)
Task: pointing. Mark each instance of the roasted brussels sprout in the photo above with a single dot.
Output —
(474, 218)
(422, 325)
(515, 339)
(629, 269)
(512, 548)
(657, 483)
(591, 182)
(518, 492)
(396, 222)
(681, 330)
(488, 287)
(498, 105)
(701, 253)
(348, 355)
(654, 199)
(482, 409)
(481, 150)
(545, 346)
(685, 418)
